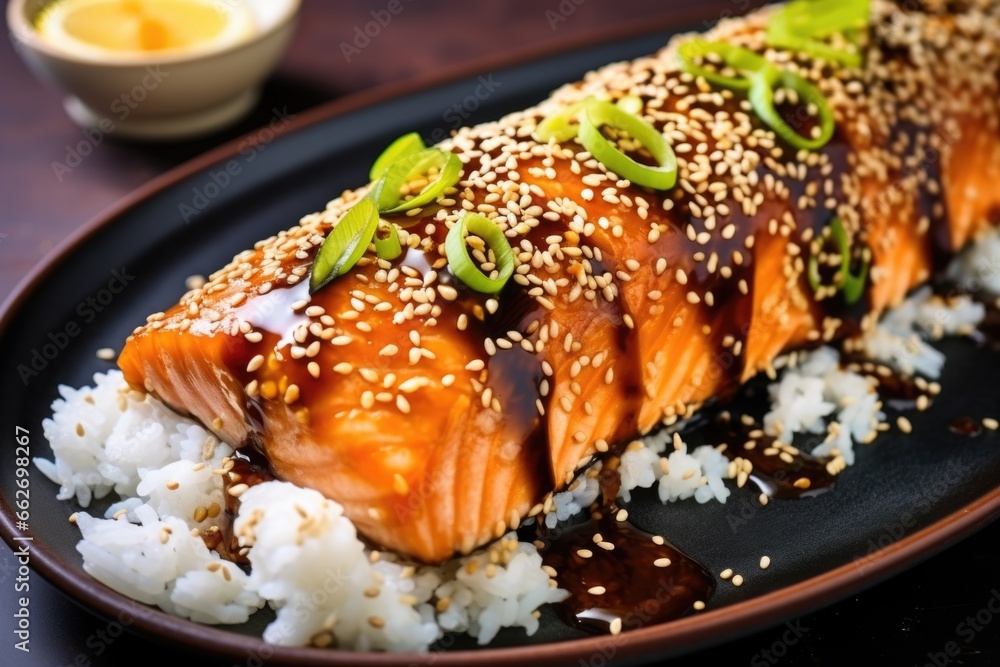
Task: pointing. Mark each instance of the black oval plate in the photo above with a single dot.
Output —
(906, 497)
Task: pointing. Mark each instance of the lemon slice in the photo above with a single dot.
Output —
(143, 27)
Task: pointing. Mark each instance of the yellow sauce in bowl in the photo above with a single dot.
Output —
(143, 27)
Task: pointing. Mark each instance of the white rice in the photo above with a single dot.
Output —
(978, 267)
(307, 561)
(159, 562)
(901, 338)
(816, 387)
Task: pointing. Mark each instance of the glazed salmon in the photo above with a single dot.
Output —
(440, 417)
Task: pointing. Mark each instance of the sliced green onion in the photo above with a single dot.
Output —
(630, 104)
(744, 61)
(401, 147)
(409, 167)
(822, 18)
(461, 263)
(345, 245)
(799, 25)
(661, 177)
(387, 241)
(852, 286)
(562, 125)
(763, 84)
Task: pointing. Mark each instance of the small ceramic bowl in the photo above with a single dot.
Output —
(165, 96)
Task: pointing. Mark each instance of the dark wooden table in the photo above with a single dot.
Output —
(908, 620)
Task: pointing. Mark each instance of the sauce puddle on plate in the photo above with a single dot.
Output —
(620, 577)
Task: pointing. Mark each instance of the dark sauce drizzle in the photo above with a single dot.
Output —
(620, 577)
(966, 426)
(780, 471)
(623, 582)
(249, 467)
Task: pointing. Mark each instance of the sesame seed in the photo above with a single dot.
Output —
(597, 590)
(765, 562)
(738, 580)
(904, 424)
(237, 490)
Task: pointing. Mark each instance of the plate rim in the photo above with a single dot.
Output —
(684, 635)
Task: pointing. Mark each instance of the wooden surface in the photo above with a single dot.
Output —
(39, 207)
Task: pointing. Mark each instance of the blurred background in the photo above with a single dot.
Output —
(908, 620)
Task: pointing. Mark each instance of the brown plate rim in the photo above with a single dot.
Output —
(683, 635)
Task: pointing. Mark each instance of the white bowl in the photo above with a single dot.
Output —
(159, 97)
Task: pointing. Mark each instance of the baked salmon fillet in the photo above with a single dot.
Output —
(440, 417)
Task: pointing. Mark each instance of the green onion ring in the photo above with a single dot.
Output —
(560, 125)
(596, 114)
(630, 104)
(852, 286)
(408, 167)
(345, 245)
(761, 98)
(401, 147)
(822, 18)
(386, 240)
(461, 263)
(797, 26)
(736, 57)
